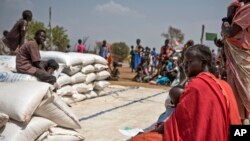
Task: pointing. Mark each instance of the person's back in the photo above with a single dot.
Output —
(104, 50)
(16, 36)
(80, 46)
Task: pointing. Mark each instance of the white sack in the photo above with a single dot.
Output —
(56, 110)
(100, 60)
(90, 78)
(85, 58)
(102, 75)
(20, 99)
(100, 67)
(8, 62)
(68, 100)
(57, 72)
(88, 69)
(62, 134)
(3, 119)
(16, 131)
(78, 97)
(91, 94)
(100, 85)
(71, 70)
(15, 77)
(43, 136)
(60, 57)
(66, 91)
(63, 79)
(78, 78)
(83, 88)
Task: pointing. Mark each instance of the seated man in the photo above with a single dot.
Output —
(28, 60)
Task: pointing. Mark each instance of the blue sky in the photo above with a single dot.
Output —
(121, 20)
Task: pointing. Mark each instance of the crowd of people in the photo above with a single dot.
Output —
(211, 91)
(152, 67)
(216, 88)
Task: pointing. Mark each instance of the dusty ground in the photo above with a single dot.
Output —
(102, 117)
(126, 79)
(127, 106)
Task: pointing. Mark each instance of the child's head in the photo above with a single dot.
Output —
(27, 15)
(52, 65)
(138, 41)
(115, 64)
(5, 32)
(175, 93)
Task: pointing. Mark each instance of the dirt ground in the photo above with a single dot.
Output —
(129, 105)
(126, 77)
(102, 117)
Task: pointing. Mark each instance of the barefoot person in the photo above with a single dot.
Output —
(28, 60)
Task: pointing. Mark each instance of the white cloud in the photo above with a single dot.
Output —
(113, 8)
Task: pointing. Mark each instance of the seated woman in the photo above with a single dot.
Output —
(143, 74)
(206, 108)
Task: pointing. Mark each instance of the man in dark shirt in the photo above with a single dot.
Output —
(28, 60)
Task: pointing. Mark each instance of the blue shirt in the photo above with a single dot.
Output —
(104, 52)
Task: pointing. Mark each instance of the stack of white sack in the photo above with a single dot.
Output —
(8, 71)
(8, 62)
(82, 78)
(29, 111)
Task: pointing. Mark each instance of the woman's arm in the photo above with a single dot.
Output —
(231, 31)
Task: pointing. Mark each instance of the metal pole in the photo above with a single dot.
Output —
(50, 28)
(202, 33)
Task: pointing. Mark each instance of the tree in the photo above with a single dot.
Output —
(60, 39)
(174, 35)
(32, 28)
(120, 51)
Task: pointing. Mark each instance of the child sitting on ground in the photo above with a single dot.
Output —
(114, 75)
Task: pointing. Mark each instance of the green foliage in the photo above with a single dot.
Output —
(32, 28)
(120, 50)
(174, 34)
(59, 37)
